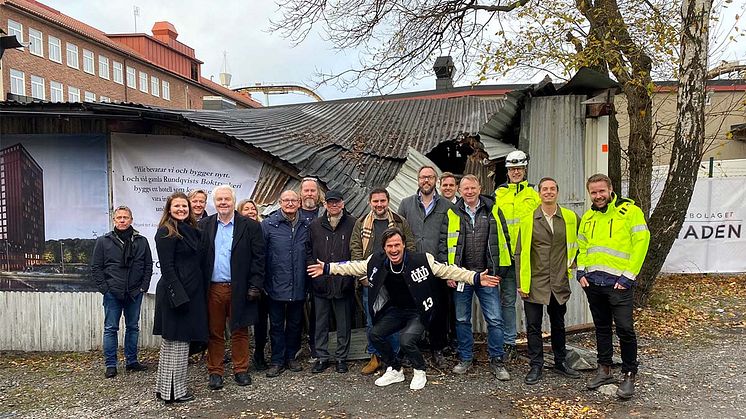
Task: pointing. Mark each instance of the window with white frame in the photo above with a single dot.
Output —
(56, 91)
(89, 97)
(35, 42)
(104, 99)
(117, 73)
(88, 62)
(155, 87)
(15, 28)
(166, 86)
(17, 82)
(103, 67)
(143, 82)
(73, 94)
(55, 49)
(72, 55)
(37, 88)
(131, 76)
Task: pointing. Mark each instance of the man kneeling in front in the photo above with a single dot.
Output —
(401, 299)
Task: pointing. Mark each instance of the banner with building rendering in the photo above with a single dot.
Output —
(147, 169)
(712, 237)
(54, 202)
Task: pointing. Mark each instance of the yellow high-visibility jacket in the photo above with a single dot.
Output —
(615, 241)
(516, 200)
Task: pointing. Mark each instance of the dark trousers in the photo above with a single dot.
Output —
(218, 311)
(260, 328)
(407, 323)
(341, 309)
(286, 324)
(534, 316)
(439, 325)
(608, 304)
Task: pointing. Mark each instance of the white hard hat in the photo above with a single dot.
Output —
(516, 159)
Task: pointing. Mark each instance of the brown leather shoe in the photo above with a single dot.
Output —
(627, 389)
(603, 376)
(372, 365)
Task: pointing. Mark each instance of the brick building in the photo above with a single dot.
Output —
(21, 209)
(69, 61)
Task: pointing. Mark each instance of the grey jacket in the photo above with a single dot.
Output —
(426, 229)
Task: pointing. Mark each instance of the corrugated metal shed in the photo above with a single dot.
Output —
(499, 124)
(353, 146)
(555, 130)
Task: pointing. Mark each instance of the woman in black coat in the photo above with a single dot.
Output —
(180, 302)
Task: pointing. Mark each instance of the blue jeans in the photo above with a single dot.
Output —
(507, 297)
(113, 309)
(393, 339)
(489, 300)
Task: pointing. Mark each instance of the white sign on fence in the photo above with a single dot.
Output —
(146, 169)
(712, 237)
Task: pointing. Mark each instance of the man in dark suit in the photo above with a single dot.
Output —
(233, 264)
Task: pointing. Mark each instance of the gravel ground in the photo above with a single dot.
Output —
(701, 377)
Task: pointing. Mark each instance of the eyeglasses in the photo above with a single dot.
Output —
(290, 201)
(427, 177)
(334, 202)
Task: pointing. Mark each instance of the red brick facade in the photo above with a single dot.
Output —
(184, 92)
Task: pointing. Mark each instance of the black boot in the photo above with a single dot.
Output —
(627, 389)
(603, 376)
(533, 376)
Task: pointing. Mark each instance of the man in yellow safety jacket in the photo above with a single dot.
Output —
(516, 199)
(544, 256)
(613, 240)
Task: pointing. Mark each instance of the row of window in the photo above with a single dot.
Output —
(56, 89)
(156, 87)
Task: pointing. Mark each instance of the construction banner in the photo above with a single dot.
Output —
(712, 237)
(146, 169)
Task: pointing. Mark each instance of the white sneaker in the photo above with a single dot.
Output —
(391, 376)
(418, 380)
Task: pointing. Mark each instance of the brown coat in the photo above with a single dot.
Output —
(548, 260)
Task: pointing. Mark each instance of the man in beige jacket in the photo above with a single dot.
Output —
(545, 252)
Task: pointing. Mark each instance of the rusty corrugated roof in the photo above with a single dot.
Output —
(352, 146)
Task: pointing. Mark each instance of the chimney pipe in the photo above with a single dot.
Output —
(444, 71)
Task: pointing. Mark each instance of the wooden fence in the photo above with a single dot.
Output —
(73, 321)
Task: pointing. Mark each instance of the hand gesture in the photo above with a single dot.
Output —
(486, 280)
(451, 283)
(583, 282)
(316, 270)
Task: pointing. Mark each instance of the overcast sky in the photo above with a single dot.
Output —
(240, 27)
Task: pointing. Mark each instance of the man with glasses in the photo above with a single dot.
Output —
(425, 212)
(122, 266)
(516, 199)
(366, 238)
(286, 236)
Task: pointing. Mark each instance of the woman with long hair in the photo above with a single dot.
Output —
(180, 301)
(248, 208)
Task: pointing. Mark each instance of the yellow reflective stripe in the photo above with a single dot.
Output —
(512, 221)
(454, 225)
(638, 228)
(608, 251)
(604, 268)
(581, 236)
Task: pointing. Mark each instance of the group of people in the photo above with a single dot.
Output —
(418, 270)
